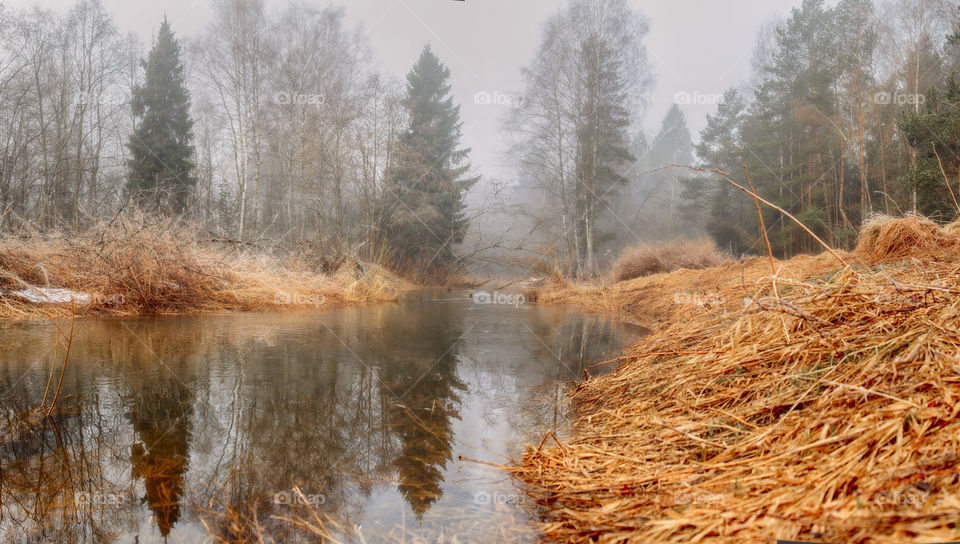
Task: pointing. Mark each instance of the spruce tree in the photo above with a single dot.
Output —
(424, 206)
(160, 169)
(602, 154)
(672, 145)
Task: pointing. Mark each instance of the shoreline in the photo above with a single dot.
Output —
(338, 298)
(145, 267)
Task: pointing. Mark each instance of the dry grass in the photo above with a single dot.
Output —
(644, 260)
(687, 268)
(884, 238)
(826, 413)
(672, 295)
(303, 523)
(262, 522)
(137, 265)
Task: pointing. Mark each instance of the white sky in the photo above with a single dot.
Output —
(701, 47)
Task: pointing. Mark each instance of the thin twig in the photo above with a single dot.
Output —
(945, 179)
(726, 178)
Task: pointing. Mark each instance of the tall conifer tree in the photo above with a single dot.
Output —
(424, 214)
(160, 169)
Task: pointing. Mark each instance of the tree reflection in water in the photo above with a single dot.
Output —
(170, 422)
(420, 386)
(160, 416)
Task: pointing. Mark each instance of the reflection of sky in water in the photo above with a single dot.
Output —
(366, 410)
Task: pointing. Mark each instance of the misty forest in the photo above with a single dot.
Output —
(257, 285)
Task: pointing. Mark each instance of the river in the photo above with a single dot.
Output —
(364, 420)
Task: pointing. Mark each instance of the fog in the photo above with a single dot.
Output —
(466, 168)
(695, 46)
(491, 137)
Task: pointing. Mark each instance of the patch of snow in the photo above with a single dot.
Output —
(50, 295)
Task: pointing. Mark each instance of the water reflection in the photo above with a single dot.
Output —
(420, 384)
(165, 423)
(160, 413)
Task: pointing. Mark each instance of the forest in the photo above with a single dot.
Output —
(285, 132)
(272, 128)
(833, 137)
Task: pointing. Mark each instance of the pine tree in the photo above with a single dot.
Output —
(658, 191)
(726, 215)
(160, 170)
(934, 133)
(424, 209)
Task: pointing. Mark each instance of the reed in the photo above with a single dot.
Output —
(884, 238)
(136, 265)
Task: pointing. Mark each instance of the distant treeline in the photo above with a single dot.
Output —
(851, 110)
(274, 125)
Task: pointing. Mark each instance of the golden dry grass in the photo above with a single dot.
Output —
(261, 522)
(826, 412)
(139, 265)
(643, 260)
(884, 238)
(671, 295)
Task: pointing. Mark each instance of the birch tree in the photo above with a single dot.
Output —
(584, 90)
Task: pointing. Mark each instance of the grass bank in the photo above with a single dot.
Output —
(809, 399)
(141, 266)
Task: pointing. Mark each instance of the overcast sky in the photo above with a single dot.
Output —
(696, 47)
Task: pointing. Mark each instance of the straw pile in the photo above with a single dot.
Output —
(817, 404)
(884, 238)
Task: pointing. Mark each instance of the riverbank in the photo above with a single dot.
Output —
(135, 266)
(809, 399)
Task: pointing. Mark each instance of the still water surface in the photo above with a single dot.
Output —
(170, 423)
